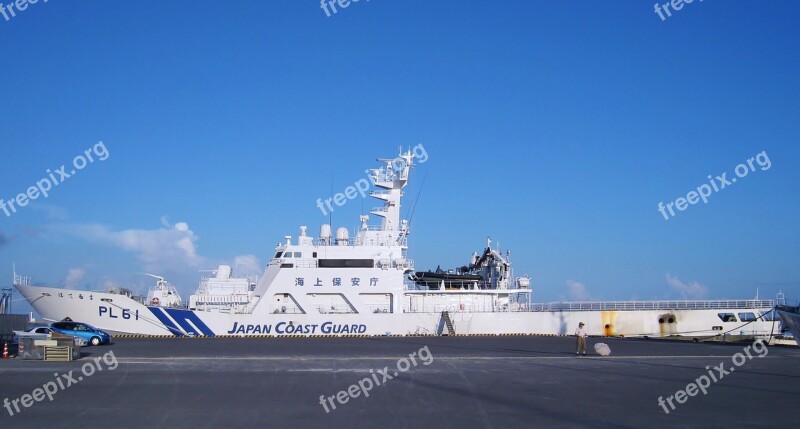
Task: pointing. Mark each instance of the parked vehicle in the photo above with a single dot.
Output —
(42, 333)
(84, 331)
(33, 332)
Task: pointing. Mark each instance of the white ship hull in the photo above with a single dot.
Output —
(122, 315)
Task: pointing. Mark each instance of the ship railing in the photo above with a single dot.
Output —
(401, 263)
(240, 308)
(362, 241)
(287, 310)
(21, 280)
(303, 263)
(467, 308)
(379, 194)
(182, 305)
(332, 242)
(357, 241)
(379, 308)
(410, 285)
(296, 263)
(384, 176)
(223, 300)
(334, 309)
(435, 285)
(653, 305)
(379, 241)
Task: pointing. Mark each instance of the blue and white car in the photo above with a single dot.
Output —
(84, 331)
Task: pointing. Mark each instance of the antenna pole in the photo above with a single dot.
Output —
(414, 207)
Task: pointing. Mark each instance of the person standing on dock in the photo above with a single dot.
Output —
(581, 334)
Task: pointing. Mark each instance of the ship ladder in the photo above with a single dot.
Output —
(448, 323)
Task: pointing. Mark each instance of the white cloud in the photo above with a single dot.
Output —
(156, 249)
(577, 291)
(693, 290)
(74, 277)
(246, 265)
(168, 250)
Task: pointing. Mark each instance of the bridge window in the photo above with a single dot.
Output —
(298, 254)
(278, 255)
(346, 263)
(727, 317)
(747, 317)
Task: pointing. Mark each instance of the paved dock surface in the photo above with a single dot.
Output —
(461, 382)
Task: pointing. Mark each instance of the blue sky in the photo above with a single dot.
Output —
(554, 127)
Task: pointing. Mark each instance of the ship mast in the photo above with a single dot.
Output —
(391, 179)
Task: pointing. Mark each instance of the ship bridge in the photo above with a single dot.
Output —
(340, 272)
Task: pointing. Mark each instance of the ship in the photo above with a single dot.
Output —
(790, 319)
(365, 284)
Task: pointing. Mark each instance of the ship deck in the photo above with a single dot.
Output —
(492, 382)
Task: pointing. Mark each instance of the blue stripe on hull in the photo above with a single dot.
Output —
(183, 317)
(159, 313)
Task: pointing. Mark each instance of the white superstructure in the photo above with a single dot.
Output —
(162, 294)
(223, 293)
(363, 283)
